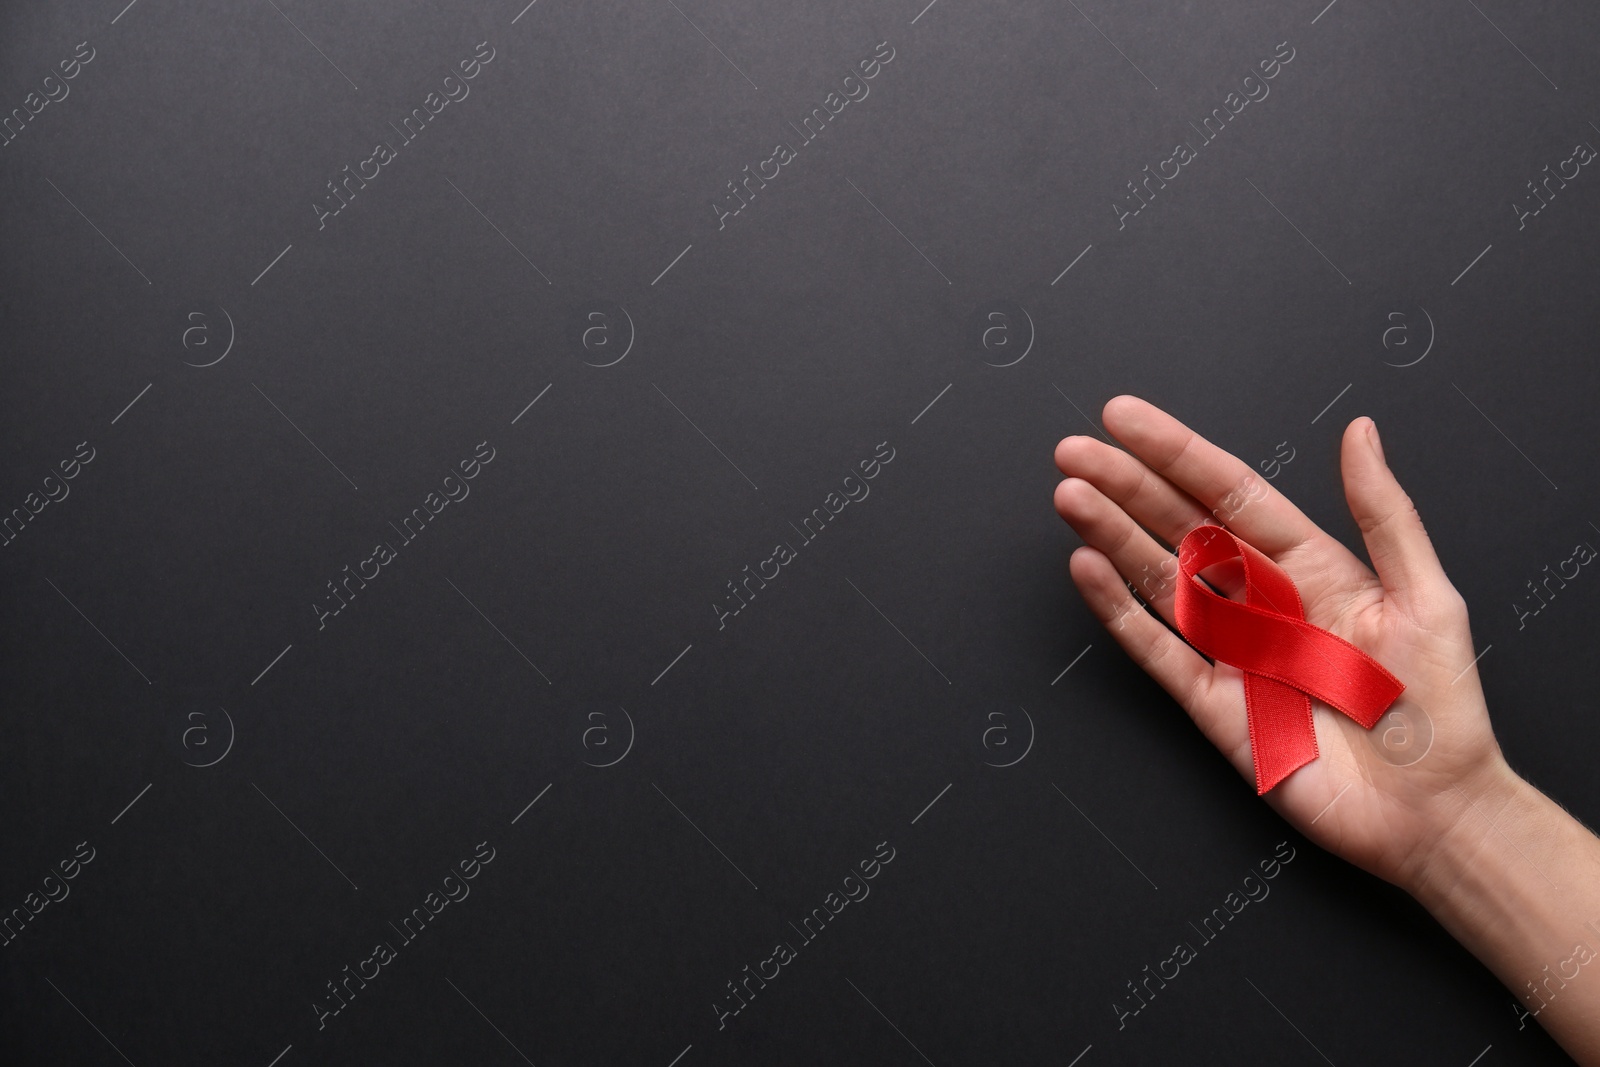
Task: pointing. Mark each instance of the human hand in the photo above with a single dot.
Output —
(1131, 508)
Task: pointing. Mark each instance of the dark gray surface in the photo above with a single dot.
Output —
(523, 636)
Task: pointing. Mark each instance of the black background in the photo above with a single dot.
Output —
(874, 672)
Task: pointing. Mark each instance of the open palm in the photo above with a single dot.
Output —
(1378, 798)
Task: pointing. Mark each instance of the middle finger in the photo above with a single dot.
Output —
(1151, 500)
(1144, 564)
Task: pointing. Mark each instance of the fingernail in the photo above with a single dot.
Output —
(1377, 445)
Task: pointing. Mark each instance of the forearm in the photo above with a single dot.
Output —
(1517, 881)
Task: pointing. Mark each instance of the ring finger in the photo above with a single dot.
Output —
(1137, 556)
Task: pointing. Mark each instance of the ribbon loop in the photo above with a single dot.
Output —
(1286, 661)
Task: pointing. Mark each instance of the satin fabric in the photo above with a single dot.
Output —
(1286, 661)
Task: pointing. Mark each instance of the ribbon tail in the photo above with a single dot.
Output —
(1282, 737)
(1285, 659)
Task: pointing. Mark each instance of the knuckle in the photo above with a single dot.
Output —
(1441, 607)
(1453, 607)
(1399, 508)
(1120, 539)
(1246, 491)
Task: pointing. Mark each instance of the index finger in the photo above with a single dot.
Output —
(1234, 494)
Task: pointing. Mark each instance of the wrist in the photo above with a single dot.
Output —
(1494, 832)
(1516, 880)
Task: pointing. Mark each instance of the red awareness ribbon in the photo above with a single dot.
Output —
(1286, 661)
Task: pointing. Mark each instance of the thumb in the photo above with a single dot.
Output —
(1399, 546)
